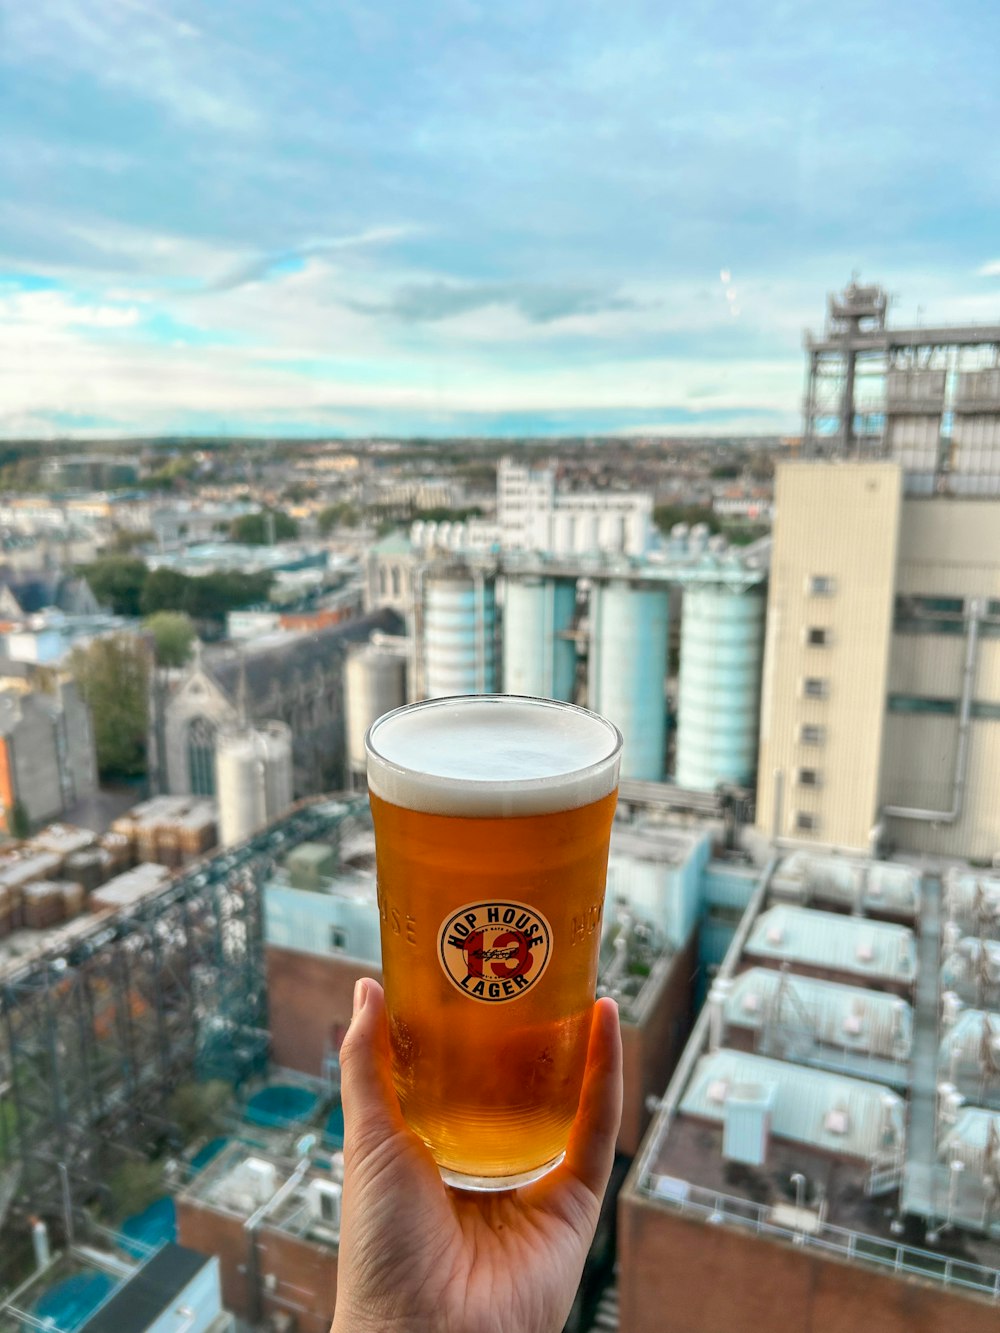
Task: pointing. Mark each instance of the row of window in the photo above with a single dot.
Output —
(916, 705)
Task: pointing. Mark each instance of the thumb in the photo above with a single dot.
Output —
(371, 1109)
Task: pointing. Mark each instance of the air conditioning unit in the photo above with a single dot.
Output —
(324, 1202)
(261, 1178)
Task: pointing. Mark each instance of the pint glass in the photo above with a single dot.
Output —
(492, 820)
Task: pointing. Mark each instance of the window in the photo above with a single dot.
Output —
(812, 735)
(818, 636)
(201, 757)
(815, 687)
(986, 712)
(929, 615)
(805, 822)
(338, 938)
(911, 703)
(822, 585)
(810, 777)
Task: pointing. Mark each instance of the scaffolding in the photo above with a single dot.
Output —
(97, 1032)
(926, 397)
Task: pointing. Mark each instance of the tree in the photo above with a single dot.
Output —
(164, 590)
(665, 516)
(263, 528)
(117, 581)
(113, 675)
(18, 823)
(198, 1107)
(340, 515)
(173, 634)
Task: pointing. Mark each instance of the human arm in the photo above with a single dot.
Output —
(418, 1257)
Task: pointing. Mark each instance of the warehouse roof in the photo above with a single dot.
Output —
(878, 950)
(845, 1116)
(851, 1017)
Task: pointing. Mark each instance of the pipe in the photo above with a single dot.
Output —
(962, 752)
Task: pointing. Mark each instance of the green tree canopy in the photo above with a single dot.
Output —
(204, 597)
(264, 527)
(173, 634)
(112, 674)
(340, 515)
(117, 581)
(665, 516)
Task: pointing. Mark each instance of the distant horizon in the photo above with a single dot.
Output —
(461, 220)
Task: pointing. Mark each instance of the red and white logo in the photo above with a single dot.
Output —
(494, 951)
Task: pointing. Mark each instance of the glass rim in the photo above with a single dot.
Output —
(511, 786)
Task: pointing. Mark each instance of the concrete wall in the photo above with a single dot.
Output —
(36, 763)
(308, 997)
(651, 1045)
(839, 521)
(691, 1277)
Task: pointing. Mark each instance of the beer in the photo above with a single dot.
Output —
(492, 821)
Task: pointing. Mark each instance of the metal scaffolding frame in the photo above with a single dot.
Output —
(857, 371)
(97, 1032)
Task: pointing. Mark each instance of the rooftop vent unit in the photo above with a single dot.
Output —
(324, 1203)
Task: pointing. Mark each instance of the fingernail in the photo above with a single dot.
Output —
(360, 995)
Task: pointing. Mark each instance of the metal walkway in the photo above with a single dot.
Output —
(925, 1183)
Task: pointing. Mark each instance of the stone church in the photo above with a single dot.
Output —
(297, 679)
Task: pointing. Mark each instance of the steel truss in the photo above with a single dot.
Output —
(96, 1034)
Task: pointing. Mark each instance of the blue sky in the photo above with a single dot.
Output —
(375, 216)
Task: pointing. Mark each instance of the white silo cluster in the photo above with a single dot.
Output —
(539, 654)
(428, 535)
(457, 613)
(374, 683)
(253, 779)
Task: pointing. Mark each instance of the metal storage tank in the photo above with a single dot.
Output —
(458, 632)
(535, 659)
(718, 698)
(628, 665)
(253, 779)
(374, 683)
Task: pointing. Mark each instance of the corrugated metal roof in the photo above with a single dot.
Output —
(971, 898)
(875, 949)
(841, 1115)
(880, 886)
(851, 1017)
(972, 1139)
(973, 1031)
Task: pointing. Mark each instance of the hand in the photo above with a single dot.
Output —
(416, 1256)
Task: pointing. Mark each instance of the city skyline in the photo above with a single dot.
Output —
(545, 220)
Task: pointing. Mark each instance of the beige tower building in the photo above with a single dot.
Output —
(880, 710)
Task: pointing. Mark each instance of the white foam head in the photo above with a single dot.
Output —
(492, 754)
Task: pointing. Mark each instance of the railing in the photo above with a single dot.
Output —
(758, 1219)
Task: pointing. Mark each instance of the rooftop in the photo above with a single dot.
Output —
(854, 945)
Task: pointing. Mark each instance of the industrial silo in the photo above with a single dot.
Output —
(718, 703)
(253, 779)
(627, 667)
(538, 658)
(374, 683)
(458, 631)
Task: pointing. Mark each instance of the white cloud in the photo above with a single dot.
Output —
(133, 47)
(989, 270)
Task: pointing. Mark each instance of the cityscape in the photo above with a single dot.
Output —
(796, 637)
(351, 360)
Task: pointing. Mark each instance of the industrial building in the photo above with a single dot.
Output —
(47, 758)
(596, 630)
(295, 677)
(836, 1105)
(884, 599)
(274, 1224)
(533, 516)
(91, 1288)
